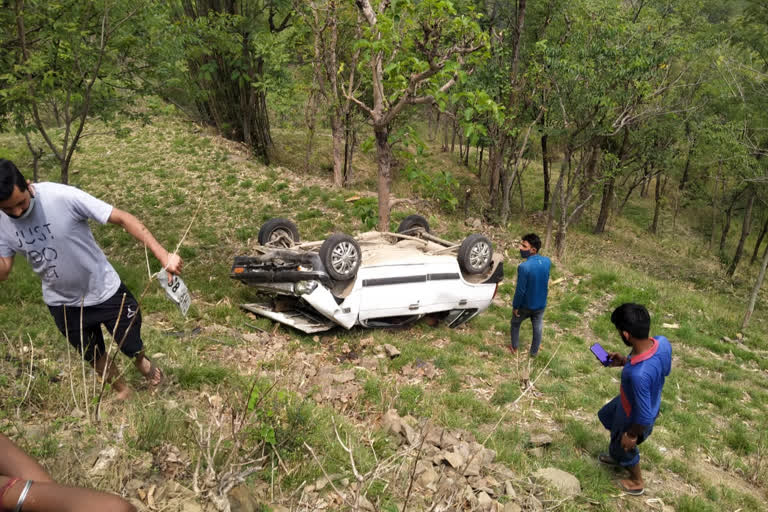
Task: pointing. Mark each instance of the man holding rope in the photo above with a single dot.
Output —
(48, 223)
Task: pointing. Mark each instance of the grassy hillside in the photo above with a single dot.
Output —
(263, 414)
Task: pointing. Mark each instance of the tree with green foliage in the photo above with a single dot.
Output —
(234, 50)
(333, 32)
(71, 60)
(416, 50)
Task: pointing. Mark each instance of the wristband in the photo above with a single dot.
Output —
(23, 496)
(5, 488)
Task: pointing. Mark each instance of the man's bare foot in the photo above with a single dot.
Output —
(152, 373)
(632, 487)
(122, 390)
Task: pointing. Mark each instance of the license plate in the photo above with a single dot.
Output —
(176, 290)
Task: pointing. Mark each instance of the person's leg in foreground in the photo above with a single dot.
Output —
(613, 419)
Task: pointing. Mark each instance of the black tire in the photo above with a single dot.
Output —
(341, 256)
(279, 233)
(475, 254)
(413, 221)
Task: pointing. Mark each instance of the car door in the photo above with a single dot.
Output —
(393, 290)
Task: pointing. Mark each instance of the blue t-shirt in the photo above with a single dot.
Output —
(642, 380)
(532, 283)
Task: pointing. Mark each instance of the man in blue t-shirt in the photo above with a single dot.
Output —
(531, 292)
(631, 415)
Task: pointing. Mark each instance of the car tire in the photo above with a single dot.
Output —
(279, 233)
(413, 221)
(341, 256)
(475, 254)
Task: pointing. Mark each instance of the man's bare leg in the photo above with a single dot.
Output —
(635, 480)
(122, 390)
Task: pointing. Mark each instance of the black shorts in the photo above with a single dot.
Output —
(128, 332)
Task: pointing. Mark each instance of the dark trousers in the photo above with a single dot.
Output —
(537, 320)
(85, 334)
(613, 418)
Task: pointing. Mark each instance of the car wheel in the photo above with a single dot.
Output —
(475, 254)
(412, 222)
(279, 233)
(341, 256)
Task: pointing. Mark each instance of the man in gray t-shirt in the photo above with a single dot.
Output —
(48, 224)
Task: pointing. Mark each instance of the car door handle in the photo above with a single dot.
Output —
(463, 302)
(413, 306)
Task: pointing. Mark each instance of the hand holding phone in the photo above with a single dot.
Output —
(601, 354)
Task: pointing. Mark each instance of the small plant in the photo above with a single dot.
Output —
(366, 209)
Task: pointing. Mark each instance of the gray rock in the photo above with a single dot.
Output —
(563, 481)
(241, 499)
(540, 440)
(191, 506)
(484, 501)
(509, 490)
(391, 351)
(364, 504)
(345, 376)
(456, 460)
(532, 504)
(428, 478)
(511, 506)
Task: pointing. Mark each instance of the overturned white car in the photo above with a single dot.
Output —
(374, 279)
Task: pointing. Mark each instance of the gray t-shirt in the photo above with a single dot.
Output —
(57, 241)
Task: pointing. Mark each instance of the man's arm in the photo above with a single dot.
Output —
(520, 288)
(6, 264)
(16, 463)
(171, 262)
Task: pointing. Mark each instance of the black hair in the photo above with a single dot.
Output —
(534, 240)
(10, 177)
(634, 319)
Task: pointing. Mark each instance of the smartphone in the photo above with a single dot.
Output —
(600, 354)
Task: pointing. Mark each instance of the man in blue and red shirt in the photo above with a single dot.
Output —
(631, 415)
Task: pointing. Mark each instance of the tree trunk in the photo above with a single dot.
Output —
(466, 153)
(545, 167)
(727, 223)
(687, 167)
(713, 234)
(726, 228)
(480, 163)
(337, 134)
(453, 135)
(745, 228)
(310, 120)
(657, 207)
(349, 157)
(384, 159)
(605, 206)
(495, 156)
(755, 291)
(759, 242)
(558, 203)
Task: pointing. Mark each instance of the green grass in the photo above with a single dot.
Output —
(714, 403)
